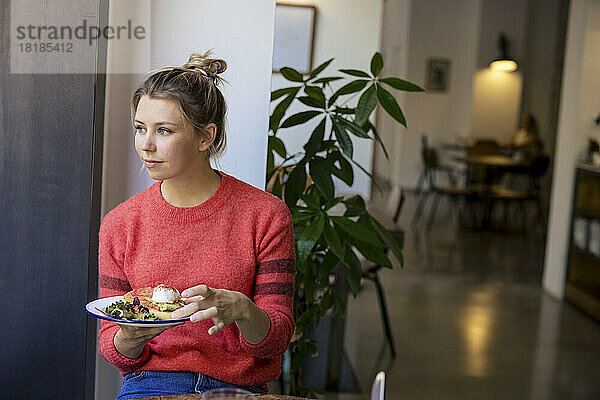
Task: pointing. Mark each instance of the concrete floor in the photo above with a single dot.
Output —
(470, 321)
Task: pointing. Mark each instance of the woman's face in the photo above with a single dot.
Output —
(525, 120)
(164, 140)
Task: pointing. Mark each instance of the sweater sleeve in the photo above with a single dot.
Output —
(274, 284)
(113, 282)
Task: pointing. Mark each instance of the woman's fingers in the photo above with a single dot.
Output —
(192, 299)
(200, 290)
(186, 310)
(217, 327)
(204, 314)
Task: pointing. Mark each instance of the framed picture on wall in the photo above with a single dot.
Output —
(438, 74)
(294, 37)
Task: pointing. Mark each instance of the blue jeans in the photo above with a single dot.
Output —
(155, 383)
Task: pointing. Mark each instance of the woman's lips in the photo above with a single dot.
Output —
(151, 163)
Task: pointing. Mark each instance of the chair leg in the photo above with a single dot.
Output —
(422, 200)
(451, 178)
(421, 182)
(384, 314)
(433, 211)
(399, 208)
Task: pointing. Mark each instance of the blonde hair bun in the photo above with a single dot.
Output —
(210, 67)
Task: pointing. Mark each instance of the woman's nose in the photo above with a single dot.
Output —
(148, 143)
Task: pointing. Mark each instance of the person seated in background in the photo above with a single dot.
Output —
(524, 144)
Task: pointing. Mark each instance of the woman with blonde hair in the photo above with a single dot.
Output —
(524, 144)
(227, 246)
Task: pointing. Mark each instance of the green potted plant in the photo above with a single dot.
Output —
(304, 180)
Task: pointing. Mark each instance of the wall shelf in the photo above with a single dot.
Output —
(582, 287)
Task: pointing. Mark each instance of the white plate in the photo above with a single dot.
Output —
(93, 308)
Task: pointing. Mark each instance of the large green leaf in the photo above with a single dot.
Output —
(328, 79)
(280, 110)
(389, 104)
(345, 171)
(356, 230)
(311, 102)
(305, 319)
(355, 206)
(389, 240)
(299, 118)
(316, 139)
(353, 270)
(291, 74)
(309, 237)
(270, 161)
(342, 138)
(328, 145)
(344, 110)
(401, 84)
(300, 217)
(309, 281)
(320, 68)
(352, 87)
(316, 93)
(371, 127)
(366, 172)
(353, 128)
(282, 92)
(355, 72)
(320, 174)
(366, 105)
(373, 253)
(376, 64)
(333, 240)
(329, 262)
(278, 146)
(312, 198)
(295, 185)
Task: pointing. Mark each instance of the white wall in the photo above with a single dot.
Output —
(495, 104)
(348, 30)
(241, 32)
(395, 50)
(579, 106)
(445, 30)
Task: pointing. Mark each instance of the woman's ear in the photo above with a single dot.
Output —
(207, 137)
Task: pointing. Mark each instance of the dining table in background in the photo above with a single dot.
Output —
(494, 166)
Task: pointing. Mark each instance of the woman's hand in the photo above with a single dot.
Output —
(225, 307)
(220, 305)
(130, 340)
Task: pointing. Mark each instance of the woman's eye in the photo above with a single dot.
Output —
(163, 131)
(139, 129)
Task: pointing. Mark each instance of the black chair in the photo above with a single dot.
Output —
(446, 169)
(537, 170)
(483, 147)
(431, 167)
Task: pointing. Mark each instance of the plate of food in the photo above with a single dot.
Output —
(140, 307)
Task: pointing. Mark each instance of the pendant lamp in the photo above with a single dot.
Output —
(503, 62)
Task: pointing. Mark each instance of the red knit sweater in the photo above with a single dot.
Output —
(239, 239)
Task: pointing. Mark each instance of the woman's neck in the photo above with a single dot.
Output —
(191, 190)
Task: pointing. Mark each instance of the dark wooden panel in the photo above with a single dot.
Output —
(49, 212)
